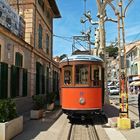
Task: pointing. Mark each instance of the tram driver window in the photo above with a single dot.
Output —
(82, 74)
(96, 75)
(67, 75)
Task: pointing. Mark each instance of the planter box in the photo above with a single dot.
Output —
(10, 129)
(36, 114)
(50, 106)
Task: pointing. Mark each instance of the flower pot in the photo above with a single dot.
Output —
(50, 106)
(11, 128)
(36, 114)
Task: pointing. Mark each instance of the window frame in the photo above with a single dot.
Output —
(69, 81)
(18, 59)
(95, 82)
(87, 77)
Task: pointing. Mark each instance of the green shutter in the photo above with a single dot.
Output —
(40, 36)
(14, 81)
(43, 79)
(24, 86)
(54, 81)
(40, 80)
(18, 59)
(37, 77)
(3, 80)
(47, 81)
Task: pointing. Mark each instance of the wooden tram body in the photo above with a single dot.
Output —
(81, 85)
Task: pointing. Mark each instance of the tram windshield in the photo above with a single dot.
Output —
(81, 74)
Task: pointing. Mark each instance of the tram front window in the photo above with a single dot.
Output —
(96, 75)
(67, 75)
(81, 74)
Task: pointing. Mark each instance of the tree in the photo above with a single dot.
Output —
(112, 50)
(63, 56)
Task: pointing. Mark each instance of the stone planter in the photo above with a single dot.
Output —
(36, 114)
(10, 129)
(50, 106)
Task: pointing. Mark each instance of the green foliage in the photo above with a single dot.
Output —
(63, 56)
(39, 101)
(51, 97)
(113, 51)
(7, 110)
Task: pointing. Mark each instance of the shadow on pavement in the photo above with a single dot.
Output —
(32, 128)
(111, 111)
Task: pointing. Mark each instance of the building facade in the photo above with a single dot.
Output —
(26, 63)
(133, 65)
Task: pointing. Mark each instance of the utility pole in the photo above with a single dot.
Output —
(123, 120)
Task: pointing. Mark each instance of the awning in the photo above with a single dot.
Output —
(132, 83)
(137, 83)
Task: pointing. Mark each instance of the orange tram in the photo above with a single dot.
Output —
(82, 86)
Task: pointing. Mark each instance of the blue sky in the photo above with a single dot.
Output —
(69, 24)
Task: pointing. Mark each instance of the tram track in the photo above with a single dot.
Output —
(83, 132)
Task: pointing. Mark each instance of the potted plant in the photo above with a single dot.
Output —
(38, 106)
(51, 100)
(10, 123)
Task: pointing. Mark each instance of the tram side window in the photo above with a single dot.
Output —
(96, 75)
(67, 75)
(81, 74)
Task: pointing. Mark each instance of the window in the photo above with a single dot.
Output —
(18, 59)
(135, 69)
(39, 78)
(81, 74)
(40, 36)
(47, 43)
(67, 75)
(49, 18)
(41, 3)
(96, 75)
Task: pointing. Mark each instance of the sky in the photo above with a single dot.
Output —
(69, 24)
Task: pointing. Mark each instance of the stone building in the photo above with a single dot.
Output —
(133, 64)
(26, 64)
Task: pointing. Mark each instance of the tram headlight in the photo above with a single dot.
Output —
(82, 100)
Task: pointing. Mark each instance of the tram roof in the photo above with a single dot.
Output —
(82, 58)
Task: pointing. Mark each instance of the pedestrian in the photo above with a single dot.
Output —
(139, 104)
